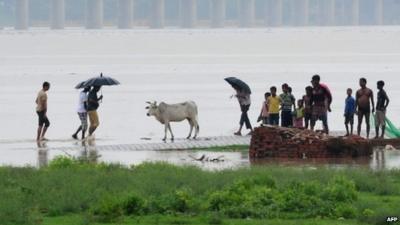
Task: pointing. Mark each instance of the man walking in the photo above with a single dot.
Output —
(244, 102)
(381, 105)
(93, 105)
(365, 101)
(82, 113)
(41, 110)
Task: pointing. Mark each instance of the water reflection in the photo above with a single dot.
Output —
(43, 155)
(380, 160)
(88, 152)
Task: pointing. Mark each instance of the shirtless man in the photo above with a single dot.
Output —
(364, 105)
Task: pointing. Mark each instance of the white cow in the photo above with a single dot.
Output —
(166, 113)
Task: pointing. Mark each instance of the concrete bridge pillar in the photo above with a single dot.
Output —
(326, 12)
(276, 12)
(246, 13)
(157, 14)
(94, 14)
(22, 14)
(304, 12)
(188, 13)
(57, 14)
(355, 11)
(125, 14)
(378, 12)
(217, 13)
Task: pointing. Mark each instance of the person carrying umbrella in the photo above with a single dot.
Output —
(82, 113)
(243, 95)
(93, 105)
(93, 100)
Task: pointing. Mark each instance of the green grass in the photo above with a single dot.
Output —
(74, 192)
(196, 220)
(227, 148)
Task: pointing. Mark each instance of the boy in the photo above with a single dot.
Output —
(273, 104)
(287, 103)
(307, 106)
(41, 110)
(349, 110)
(381, 105)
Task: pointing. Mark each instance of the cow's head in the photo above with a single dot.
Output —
(151, 108)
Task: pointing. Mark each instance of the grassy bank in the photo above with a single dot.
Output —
(73, 192)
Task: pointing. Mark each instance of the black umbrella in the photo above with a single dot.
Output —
(238, 84)
(97, 81)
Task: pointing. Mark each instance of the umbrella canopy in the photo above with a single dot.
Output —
(238, 84)
(97, 81)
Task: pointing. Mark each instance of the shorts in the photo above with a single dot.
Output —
(323, 118)
(274, 119)
(287, 119)
(380, 118)
(364, 112)
(83, 118)
(94, 119)
(349, 119)
(43, 120)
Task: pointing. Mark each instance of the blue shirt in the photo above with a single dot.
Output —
(350, 105)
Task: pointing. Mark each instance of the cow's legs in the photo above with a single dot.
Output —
(196, 125)
(170, 130)
(165, 131)
(191, 128)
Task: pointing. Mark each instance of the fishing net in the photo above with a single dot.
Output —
(391, 130)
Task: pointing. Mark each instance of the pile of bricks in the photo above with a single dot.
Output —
(270, 141)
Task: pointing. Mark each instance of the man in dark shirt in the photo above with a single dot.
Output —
(321, 100)
(92, 105)
(381, 105)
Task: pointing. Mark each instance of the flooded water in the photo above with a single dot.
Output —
(175, 66)
(209, 160)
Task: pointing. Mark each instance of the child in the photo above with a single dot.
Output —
(273, 104)
(307, 106)
(264, 116)
(299, 115)
(381, 105)
(350, 109)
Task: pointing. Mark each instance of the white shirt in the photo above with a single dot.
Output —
(82, 99)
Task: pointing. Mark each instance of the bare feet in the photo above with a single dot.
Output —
(74, 136)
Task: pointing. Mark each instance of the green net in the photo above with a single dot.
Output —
(391, 130)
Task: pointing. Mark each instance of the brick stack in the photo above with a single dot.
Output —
(282, 142)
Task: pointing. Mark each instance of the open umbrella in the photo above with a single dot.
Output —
(238, 84)
(97, 81)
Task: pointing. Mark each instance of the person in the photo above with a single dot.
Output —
(244, 102)
(287, 102)
(349, 110)
(82, 113)
(41, 110)
(264, 116)
(273, 103)
(364, 101)
(381, 105)
(93, 105)
(320, 102)
(298, 116)
(307, 106)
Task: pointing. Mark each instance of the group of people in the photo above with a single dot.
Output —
(315, 105)
(87, 107)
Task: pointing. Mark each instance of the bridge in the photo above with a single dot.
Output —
(322, 12)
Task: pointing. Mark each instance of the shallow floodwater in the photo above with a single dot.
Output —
(175, 66)
(40, 156)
